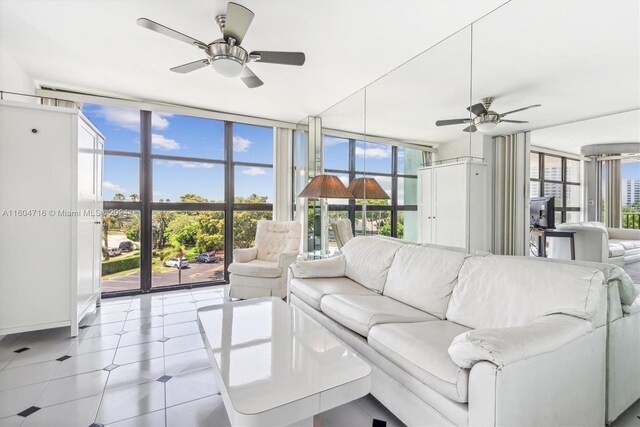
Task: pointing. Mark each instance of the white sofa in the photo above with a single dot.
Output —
(597, 243)
(460, 340)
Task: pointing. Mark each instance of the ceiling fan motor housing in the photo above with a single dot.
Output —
(228, 60)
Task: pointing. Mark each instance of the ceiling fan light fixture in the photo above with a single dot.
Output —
(228, 67)
(486, 126)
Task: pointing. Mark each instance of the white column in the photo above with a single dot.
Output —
(282, 170)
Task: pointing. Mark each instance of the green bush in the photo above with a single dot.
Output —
(133, 234)
(116, 265)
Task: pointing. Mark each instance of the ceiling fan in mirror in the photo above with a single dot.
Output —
(485, 119)
(226, 55)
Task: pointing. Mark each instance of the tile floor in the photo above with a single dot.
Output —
(138, 361)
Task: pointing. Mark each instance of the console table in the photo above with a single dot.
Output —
(275, 365)
(542, 235)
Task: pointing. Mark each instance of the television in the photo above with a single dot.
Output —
(543, 212)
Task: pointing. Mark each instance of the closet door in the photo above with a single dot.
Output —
(449, 211)
(425, 205)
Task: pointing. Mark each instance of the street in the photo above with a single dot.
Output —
(194, 273)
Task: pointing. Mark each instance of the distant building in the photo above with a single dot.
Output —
(630, 190)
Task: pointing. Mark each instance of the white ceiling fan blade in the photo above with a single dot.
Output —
(520, 109)
(191, 66)
(237, 22)
(159, 28)
(250, 79)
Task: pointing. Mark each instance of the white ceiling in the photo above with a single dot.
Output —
(96, 46)
(579, 59)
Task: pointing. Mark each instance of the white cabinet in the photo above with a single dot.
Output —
(452, 207)
(50, 217)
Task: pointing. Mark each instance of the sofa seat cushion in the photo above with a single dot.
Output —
(421, 349)
(361, 312)
(626, 244)
(256, 268)
(615, 250)
(311, 291)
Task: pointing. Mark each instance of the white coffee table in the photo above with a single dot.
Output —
(276, 366)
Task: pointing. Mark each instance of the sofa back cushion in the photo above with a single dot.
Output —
(424, 277)
(583, 224)
(368, 260)
(276, 237)
(507, 291)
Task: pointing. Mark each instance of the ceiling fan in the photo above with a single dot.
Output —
(485, 119)
(225, 55)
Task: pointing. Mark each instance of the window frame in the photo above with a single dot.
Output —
(563, 209)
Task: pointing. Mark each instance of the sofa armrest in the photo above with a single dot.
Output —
(245, 254)
(623, 234)
(505, 346)
(285, 259)
(326, 267)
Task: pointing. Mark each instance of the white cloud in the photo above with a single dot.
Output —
(374, 152)
(130, 119)
(161, 142)
(241, 144)
(110, 186)
(189, 165)
(253, 171)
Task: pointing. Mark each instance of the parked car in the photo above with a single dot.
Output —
(114, 251)
(206, 258)
(126, 246)
(174, 262)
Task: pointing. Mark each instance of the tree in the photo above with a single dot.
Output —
(134, 197)
(183, 228)
(160, 221)
(110, 219)
(192, 198)
(176, 250)
(119, 197)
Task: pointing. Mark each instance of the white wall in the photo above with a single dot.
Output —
(460, 148)
(13, 78)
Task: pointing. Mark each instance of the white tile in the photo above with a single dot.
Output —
(179, 308)
(7, 343)
(80, 413)
(115, 301)
(101, 330)
(208, 411)
(139, 303)
(130, 401)
(152, 419)
(113, 308)
(39, 354)
(138, 352)
(143, 323)
(187, 316)
(99, 319)
(6, 357)
(373, 407)
(11, 421)
(182, 344)
(16, 400)
(186, 362)
(209, 302)
(85, 363)
(351, 415)
(141, 336)
(178, 299)
(191, 386)
(91, 345)
(25, 375)
(72, 388)
(180, 329)
(136, 373)
(145, 312)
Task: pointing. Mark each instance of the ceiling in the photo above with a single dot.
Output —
(96, 46)
(578, 59)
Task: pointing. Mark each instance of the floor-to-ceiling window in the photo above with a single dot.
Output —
(394, 168)
(179, 188)
(559, 177)
(630, 189)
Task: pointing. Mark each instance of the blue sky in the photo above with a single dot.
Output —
(630, 170)
(182, 136)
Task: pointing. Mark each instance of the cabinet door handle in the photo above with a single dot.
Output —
(97, 222)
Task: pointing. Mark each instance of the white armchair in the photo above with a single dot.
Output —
(261, 271)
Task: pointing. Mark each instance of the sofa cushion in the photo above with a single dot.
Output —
(276, 237)
(256, 268)
(506, 291)
(626, 244)
(360, 312)
(424, 277)
(615, 250)
(421, 349)
(368, 260)
(311, 291)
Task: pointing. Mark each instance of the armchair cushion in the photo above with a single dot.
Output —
(421, 350)
(256, 268)
(311, 291)
(505, 346)
(276, 237)
(326, 267)
(244, 254)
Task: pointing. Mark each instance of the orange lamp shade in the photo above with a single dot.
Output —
(367, 188)
(326, 187)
